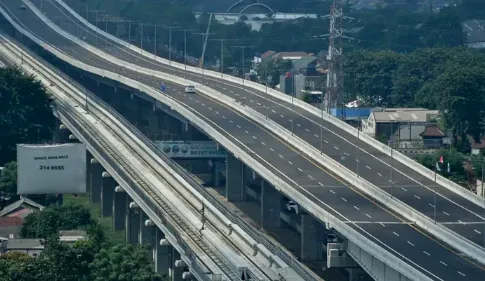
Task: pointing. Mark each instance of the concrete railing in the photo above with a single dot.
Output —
(446, 235)
(450, 185)
(246, 155)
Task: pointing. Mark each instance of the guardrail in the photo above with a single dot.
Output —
(446, 235)
(246, 156)
(450, 185)
(120, 170)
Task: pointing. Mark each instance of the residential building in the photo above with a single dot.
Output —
(21, 208)
(475, 33)
(32, 247)
(402, 126)
(72, 236)
(10, 227)
(291, 55)
(432, 137)
(476, 147)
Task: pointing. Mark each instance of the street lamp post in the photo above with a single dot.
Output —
(141, 38)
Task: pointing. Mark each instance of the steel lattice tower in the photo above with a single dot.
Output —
(334, 89)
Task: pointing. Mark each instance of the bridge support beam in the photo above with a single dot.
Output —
(147, 233)
(162, 253)
(177, 268)
(216, 173)
(95, 181)
(270, 206)
(234, 179)
(154, 124)
(311, 239)
(132, 223)
(107, 192)
(119, 208)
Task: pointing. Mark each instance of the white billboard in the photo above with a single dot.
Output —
(191, 149)
(48, 169)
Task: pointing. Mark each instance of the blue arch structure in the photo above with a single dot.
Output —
(254, 3)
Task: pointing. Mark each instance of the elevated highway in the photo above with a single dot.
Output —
(208, 244)
(456, 208)
(370, 220)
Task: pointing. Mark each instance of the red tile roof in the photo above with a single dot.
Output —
(11, 221)
(432, 131)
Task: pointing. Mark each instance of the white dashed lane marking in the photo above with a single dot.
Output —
(417, 197)
(332, 191)
(345, 200)
(395, 233)
(443, 263)
(426, 253)
(461, 274)
(410, 243)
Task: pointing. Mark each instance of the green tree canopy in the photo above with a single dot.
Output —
(25, 112)
(8, 178)
(123, 263)
(52, 219)
(270, 70)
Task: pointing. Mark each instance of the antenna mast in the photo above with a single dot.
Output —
(334, 97)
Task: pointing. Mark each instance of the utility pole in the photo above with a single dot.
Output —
(243, 47)
(334, 92)
(203, 34)
(221, 60)
(170, 42)
(141, 38)
(185, 50)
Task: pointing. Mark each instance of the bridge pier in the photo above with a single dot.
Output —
(147, 233)
(234, 179)
(107, 194)
(119, 208)
(95, 181)
(177, 268)
(162, 253)
(270, 206)
(311, 239)
(216, 173)
(132, 223)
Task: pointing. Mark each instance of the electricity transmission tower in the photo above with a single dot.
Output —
(334, 97)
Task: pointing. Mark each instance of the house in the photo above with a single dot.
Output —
(475, 33)
(267, 55)
(401, 125)
(290, 55)
(72, 236)
(477, 147)
(432, 137)
(308, 66)
(10, 227)
(32, 247)
(21, 208)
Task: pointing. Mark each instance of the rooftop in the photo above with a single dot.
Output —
(72, 235)
(20, 244)
(432, 131)
(404, 116)
(11, 210)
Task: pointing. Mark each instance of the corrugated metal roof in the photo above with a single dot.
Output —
(13, 244)
(475, 30)
(404, 116)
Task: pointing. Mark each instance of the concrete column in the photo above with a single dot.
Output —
(88, 173)
(178, 266)
(311, 239)
(147, 233)
(107, 194)
(95, 179)
(154, 125)
(132, 223)
(270, 206)
(119, 208)
(216, 173)
(234, 179)
(162, 254)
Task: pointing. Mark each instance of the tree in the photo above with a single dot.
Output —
(52, 219)
(369, 76)
(8, 178)
(25, 112)
(443, 29)
(270, 70)
(123, 262)
(461, 91)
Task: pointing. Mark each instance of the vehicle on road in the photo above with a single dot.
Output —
(22, 7)
(190, 89)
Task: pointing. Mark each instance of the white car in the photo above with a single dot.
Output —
(190, 89)
(22, 7)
